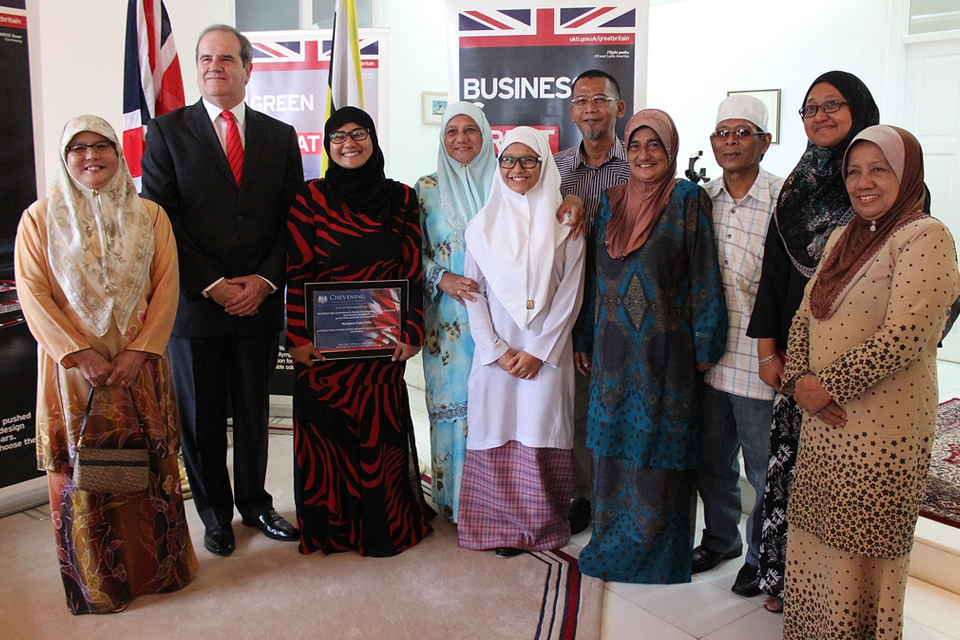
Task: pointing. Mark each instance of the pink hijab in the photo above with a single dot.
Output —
(636, 206)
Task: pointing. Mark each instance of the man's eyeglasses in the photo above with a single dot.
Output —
(598, 101)
(830, 106)
(736, 133)
(99, 147)
(527, 162)
(339, 137)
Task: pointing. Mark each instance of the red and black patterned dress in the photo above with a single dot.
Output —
(356, 478)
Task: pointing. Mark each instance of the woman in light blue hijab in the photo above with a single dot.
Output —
(449, 199)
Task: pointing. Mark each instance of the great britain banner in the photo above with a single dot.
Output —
(289, 83)
(518, 61)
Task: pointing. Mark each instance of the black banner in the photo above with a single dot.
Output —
(18, 189)
(520, 64)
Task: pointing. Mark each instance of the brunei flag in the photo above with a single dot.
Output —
(345, 80)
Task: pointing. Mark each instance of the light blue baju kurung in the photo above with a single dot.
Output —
(448, 201)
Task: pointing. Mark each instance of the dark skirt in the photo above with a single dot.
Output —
(356, 481)
(784, 439)
(643, 523)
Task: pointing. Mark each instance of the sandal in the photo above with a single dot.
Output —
(773, 605)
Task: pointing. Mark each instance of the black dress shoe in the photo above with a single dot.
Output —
(579, 515)
(273, 526)
(747, 582)
(705, 559)
(219, 540)
(507, 552)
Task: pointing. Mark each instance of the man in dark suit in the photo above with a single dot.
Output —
(226, 176)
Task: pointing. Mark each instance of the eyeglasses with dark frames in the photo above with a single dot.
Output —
(100, 147)
(527, 162)
(339, 137)
(830, 106)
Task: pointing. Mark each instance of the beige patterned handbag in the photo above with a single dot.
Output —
(108, 470)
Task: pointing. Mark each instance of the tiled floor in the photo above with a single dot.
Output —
(706, 608)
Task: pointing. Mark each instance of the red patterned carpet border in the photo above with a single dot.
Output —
(942, 502)
(561, 606)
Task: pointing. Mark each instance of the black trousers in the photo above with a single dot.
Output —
(206, 373)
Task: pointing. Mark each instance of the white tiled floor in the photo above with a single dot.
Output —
(706, 608)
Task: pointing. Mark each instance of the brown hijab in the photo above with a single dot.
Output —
(636, 206)
(858, 246)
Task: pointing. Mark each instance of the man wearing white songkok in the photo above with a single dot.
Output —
(737, 406)
(518, 472)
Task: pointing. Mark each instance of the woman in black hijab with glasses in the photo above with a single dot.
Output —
(813, 202)
(356, 474)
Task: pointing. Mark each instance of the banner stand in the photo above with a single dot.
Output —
(23, 495)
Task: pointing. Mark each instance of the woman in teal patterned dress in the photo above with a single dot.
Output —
(449, 199)
(652, 320)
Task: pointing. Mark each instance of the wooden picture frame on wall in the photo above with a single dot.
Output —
(771, 98)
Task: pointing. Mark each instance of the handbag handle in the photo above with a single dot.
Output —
(86, 415)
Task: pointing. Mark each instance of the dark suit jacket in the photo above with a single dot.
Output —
(223, 231)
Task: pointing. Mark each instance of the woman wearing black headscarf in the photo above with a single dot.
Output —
(812, 204)
(355, 476)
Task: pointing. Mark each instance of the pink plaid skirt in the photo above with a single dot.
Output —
(516, 496)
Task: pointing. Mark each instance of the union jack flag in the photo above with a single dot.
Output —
(152, 84)
(288, 51)
(544, 27)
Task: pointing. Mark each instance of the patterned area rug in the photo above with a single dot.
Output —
(266, 589)
(571, 603)
(942, 502)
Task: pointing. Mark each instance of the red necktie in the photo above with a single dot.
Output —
(234, 146)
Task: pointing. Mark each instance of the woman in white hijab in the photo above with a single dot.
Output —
(97, 277)
(518, 472)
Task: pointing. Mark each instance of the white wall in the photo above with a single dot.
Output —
(418, 62)
(698, 50)
(76, 54)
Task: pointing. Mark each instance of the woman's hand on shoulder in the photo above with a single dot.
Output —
(404, 352)
(94, 367)
(306, 354)
(572, 214)
(459, 288)
(126, 368)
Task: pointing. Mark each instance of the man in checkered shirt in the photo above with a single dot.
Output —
(738, 406)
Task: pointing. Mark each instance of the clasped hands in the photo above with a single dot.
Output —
(240, 296)
(810, 396)
(520, 364)
(121, 371)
